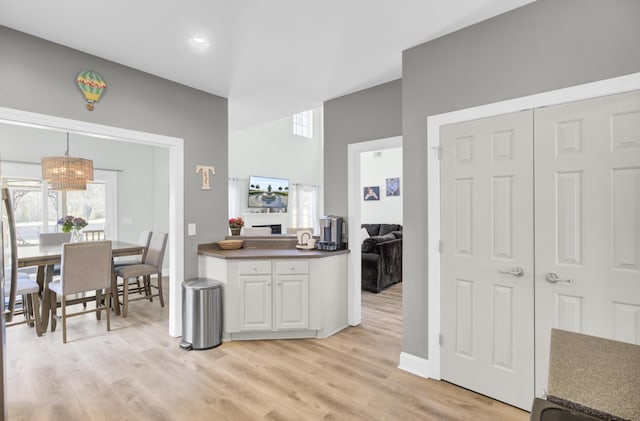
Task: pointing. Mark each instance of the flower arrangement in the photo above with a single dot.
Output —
(69, 223)
(236, 222)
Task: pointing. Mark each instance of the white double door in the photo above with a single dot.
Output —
(540, 215)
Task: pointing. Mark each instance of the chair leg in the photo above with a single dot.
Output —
(125, 297)
(107, 307)
(53, 311)
(26, 309)
(64, 319)
(98, 301)
(36, 312)
(160, 289)
(147, 287)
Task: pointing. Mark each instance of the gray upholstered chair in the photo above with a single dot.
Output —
(17, 283)
(85, 267)
(152, 265)
(54, 238)
(144, 238)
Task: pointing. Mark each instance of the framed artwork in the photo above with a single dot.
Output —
(393, 186)
(372, 193)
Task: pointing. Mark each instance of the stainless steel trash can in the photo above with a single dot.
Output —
(201, 313)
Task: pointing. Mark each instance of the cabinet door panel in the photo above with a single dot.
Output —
(292, 302)
(255, 303)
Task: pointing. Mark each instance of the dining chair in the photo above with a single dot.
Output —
(17, 283)
(54, 238)
(86, 266)
(143, 240)
(152, 265)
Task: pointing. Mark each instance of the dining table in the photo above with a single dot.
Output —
(45, 257)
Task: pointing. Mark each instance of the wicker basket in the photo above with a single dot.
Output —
(230, 244)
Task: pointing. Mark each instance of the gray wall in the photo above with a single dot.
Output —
(374, 113)
(39, 76)
(543, 46)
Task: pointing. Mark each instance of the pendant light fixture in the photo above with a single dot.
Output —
(66, 173)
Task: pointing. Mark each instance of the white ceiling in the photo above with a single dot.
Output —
(270, 58)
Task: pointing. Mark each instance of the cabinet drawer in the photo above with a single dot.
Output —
(258, 267)
(292, 266)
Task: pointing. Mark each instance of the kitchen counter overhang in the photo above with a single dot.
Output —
(256, 253)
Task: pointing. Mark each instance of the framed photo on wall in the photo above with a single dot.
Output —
(372, 193)
(393, 186)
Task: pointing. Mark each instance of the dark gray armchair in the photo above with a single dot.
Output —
(381, 256)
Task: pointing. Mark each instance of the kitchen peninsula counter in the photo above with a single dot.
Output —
(266, 253)
(272, 290)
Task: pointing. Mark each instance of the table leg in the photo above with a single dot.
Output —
(44, 277)
(114, 289)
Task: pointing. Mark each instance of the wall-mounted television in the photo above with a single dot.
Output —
(268, 193)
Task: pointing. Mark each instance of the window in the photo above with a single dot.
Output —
(303, 124)
(303, 206)
(37, 209)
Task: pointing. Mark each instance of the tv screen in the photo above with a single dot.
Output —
(269, 193)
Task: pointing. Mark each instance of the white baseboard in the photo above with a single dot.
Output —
(415, 365)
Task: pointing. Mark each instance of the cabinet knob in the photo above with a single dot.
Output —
(279, 283)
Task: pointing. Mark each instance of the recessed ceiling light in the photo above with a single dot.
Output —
(199, 43)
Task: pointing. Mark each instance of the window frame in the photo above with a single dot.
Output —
(303, 124)
(109, 177)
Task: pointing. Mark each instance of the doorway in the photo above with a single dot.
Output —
(175, 148)
(355, 199)
(587, 190)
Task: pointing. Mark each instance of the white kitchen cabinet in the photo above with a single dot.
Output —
(280, 298)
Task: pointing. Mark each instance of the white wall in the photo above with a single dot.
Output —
(375, 168)
(143, 179)
(272, 150)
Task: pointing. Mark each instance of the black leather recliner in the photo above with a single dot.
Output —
(381, 256)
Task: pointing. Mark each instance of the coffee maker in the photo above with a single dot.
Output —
(330, 233)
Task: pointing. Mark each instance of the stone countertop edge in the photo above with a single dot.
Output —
(213, 250)
(596, 373)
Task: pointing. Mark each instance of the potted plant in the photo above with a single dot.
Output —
(73, 225)
(235, 225)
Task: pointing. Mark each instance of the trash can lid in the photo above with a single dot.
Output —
(201, 283)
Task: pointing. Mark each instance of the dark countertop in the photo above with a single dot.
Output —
(265, 247)
(254, 253)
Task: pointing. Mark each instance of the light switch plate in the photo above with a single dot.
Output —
(191, 229)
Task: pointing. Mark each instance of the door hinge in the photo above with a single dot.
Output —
(440, 339)
(440, 246)
(438, 151)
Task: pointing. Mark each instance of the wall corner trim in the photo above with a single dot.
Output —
(415, 365)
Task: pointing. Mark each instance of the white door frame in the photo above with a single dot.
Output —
(176, 186)
(431, 367)
(354, 200)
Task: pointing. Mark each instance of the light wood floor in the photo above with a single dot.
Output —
(138, 372)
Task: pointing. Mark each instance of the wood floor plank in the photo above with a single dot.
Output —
(138, 372)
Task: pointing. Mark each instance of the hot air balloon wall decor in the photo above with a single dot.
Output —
(92, 86)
